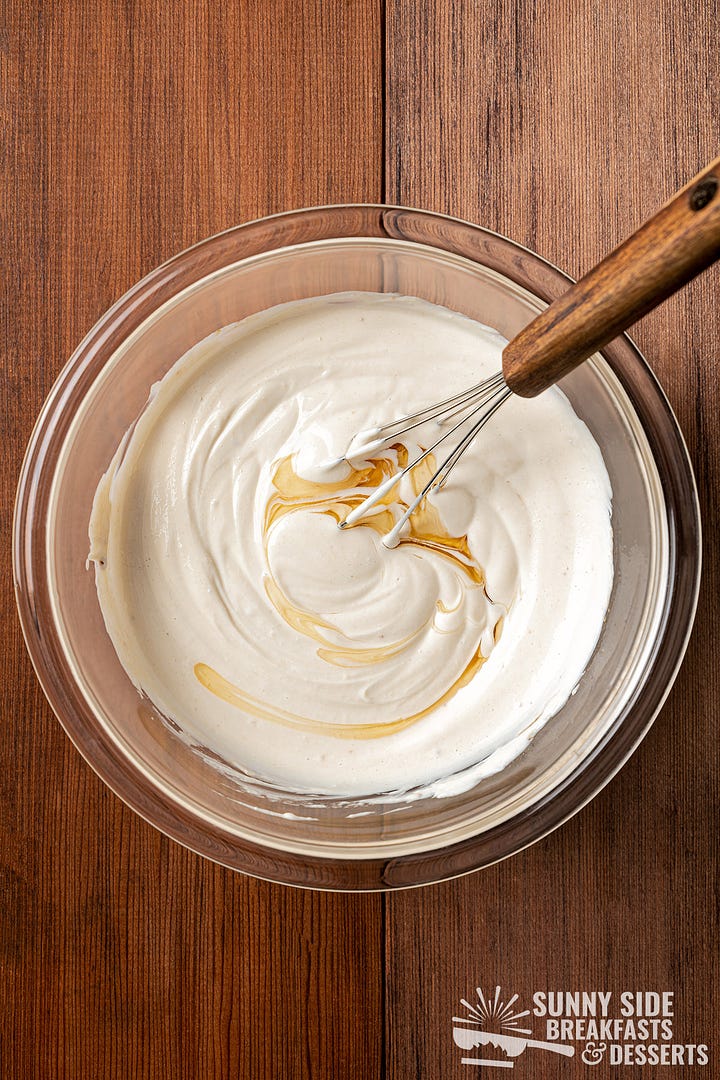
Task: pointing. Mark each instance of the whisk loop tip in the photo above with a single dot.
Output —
(474, 408)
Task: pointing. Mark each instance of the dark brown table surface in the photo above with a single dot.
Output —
(133, 128)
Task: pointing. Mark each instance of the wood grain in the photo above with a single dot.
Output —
(134, 130)
(564, 125)
(666, 252)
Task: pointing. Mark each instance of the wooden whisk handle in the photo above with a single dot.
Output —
(666, 252)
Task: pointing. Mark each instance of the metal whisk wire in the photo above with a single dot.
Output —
(484, 398)
(680, 241)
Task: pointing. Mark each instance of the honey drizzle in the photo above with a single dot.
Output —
(337, 499)
(225, 690)
(310, 625)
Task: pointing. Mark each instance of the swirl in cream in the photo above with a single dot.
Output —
(319, 659)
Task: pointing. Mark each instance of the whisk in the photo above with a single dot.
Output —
(671, 248)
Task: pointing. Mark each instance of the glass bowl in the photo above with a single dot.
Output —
(183, 789)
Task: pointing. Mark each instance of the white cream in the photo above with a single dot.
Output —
(317, 658)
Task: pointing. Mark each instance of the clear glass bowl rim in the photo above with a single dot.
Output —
(29, 567)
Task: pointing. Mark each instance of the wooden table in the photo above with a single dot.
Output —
(134, 129)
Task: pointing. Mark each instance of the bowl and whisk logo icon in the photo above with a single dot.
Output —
(494, 1022)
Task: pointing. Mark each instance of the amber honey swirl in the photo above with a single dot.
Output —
(326, 660)
(292, 493)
